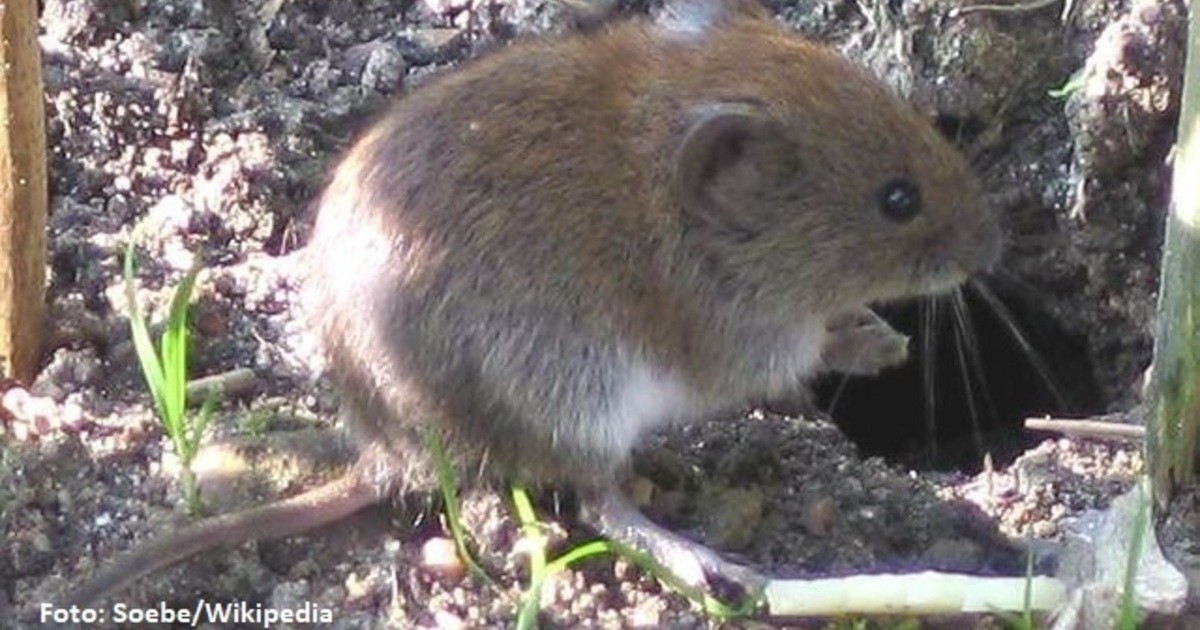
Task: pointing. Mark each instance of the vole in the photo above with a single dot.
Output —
(573, 242)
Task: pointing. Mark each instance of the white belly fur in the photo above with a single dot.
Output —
(649, 396)
(646, 397)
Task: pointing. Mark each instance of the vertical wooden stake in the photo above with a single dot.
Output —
(1174, 425)
(23, 193)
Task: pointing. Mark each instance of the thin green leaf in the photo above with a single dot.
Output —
(525, 512)
(174, 350)
(579, 553)
(448, 484)
(1128, 614)
(174, 346)
(165, 371)
(1073, 84)
(533, 532)
(531, 603)
(1027, 608)
(183, 296)
(152, 369)
(174, 411)
(199, 425)
(541, 570)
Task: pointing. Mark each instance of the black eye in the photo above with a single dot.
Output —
(899, 200)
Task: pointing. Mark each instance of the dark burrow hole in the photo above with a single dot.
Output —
(959, 130)
(888, 415)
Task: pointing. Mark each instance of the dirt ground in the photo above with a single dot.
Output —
(205, 128)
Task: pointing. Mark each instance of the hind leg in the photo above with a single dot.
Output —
(617, 518)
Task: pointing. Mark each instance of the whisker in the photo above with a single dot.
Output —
(1010, 324)
(927, 310)
(968, 390)
(837, 394)
(966, 326)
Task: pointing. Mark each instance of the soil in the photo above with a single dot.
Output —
(204, 129)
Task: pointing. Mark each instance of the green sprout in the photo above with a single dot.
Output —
(1128, 614)
(542, 568)
(1073, 84)
(448, 484)
(1027, 606)
(1024, 620)
(165, 371)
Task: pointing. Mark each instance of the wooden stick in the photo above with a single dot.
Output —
(226, 384)
(1033, 5)
(1097, 427)
(23, 192)
(1173, 451)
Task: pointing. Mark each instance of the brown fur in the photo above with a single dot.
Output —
(530, 196)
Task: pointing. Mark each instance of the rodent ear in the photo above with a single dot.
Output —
(732, 158)
(699, 16)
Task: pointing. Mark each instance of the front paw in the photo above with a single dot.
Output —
(862, 344)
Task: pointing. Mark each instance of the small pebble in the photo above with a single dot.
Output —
(447, 620)
(820, 516)
(439, 556)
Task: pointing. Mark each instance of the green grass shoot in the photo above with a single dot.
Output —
(165, 371)
(1073, 84)
(1027, 606)
(448, 484)
(1023, 621)
(1128, 614)
(542, 569)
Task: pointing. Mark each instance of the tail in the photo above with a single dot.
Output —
(355, 490)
